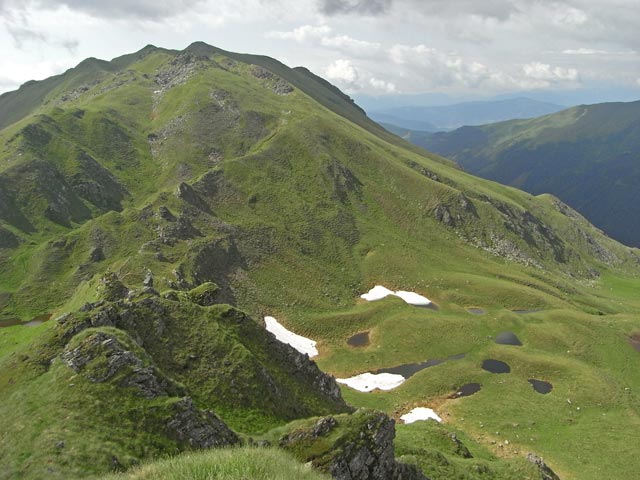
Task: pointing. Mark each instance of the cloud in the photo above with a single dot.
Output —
(363, 7)
(343, 71)
(439, 68)
(301, 34)
(141, 9)
(22, 35)
(595, 51)
(351, 45)
(549, 75)
(346, 75)
(499, 9)
(386, 87)
(565, 16)
(320, 35)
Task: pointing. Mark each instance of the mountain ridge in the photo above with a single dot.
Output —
(594, 145)
(450, 117)
(169, 207)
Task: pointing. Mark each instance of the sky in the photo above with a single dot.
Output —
(462, 48)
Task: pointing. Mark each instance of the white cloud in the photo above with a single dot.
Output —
(351, 45)
(564, 16)
(386, 87)
(343, 71)
(544, 71)
(595, 51)
(584, 51)
(321, 35)
(413, 46)
(302, 33)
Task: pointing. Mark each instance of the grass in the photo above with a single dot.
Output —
(298, 212)
(229, 464)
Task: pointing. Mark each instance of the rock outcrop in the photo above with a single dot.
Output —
(545, 471)
(199, 428)
(356, 447)
(102, 357)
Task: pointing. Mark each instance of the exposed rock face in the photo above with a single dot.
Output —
(217, 262)
(179, 70)
(97, 185)
(205, 294)
(532, 240)
(101, 357)
(96, 254)
(199, 428)
(301, 367)
(291, 385)
(362, 451)
(344, 181)
(545, 472)
(458, 212)
(8, 239)
(429, 174)
(460, 448)
(148, 279)
(181, 229)
(112, 288)
(277, 84)
(189, 195)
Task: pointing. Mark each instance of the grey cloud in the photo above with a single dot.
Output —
(366, 7)
(140, 9)
(22, 35)
(71, 45)
(499, 9)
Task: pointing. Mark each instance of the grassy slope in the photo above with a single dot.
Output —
(234, 464)
(320, 210)
(585, 155)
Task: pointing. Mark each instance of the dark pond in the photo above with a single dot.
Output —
(508, 338)
(409, 369)
(541, 386)
(34, 322)
(524, 312)
(359, 340)
(495, 366)
(634, 340)
(466, 390)
(476, 311)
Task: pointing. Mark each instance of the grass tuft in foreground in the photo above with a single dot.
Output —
(228, 464)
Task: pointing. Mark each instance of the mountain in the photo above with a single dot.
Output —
(588, 156)
(156, 208)
(449, 117)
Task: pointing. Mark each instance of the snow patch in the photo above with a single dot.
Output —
(367, 382)
(379, 292)
(413, 298)
(300, 343)
(420, 413)
(376, 293)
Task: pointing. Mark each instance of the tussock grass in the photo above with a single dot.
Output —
(247, 463)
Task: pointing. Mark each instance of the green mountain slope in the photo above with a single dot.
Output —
(586, 155)
(138, 204)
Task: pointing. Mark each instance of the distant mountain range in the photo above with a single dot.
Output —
(589, 156)
(449, 117)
